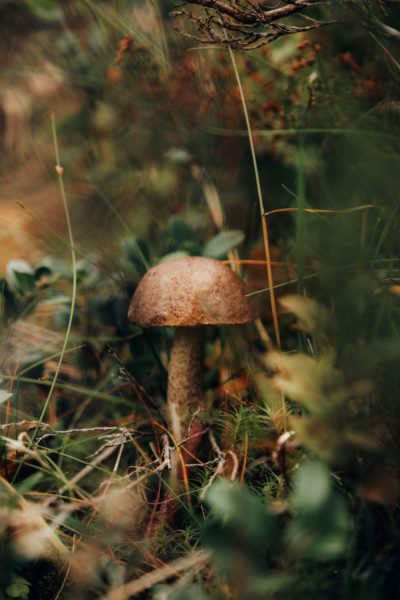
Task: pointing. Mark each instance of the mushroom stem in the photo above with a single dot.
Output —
(185, 382)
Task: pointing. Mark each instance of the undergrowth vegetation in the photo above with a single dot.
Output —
(127, 144)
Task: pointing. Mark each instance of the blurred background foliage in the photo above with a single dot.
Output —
(297, 495)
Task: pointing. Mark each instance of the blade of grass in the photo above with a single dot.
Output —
(60, 172)
(301, 189)
(72, 388)
(8, 408)
(385, 50)
(264, 225)
(260, 200)
(2, 303)
(289, 132)
(301, 200)
(252, 262)
(322, 210)
(181, 460)
(246, 450)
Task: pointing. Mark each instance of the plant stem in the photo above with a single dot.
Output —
(60, 171)
(260, 201)
(73, 261)
(301, 193)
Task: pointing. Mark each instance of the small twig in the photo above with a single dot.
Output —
(221, 460)
(64, 581)
(250, 26)
(166, 464)
(214, 444)
(138, 389)
(116, 430)
(220, 466)
(188, 438)
(192, 420)
(166, 453)
(115, 468)
(218, 471)
(140, 392)
(235, 464)
(203, 464)
(26, 425)
(114, 440)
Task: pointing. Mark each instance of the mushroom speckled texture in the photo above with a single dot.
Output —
(190, 291)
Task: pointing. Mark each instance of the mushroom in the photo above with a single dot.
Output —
(188, 293)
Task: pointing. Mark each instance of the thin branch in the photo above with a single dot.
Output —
(246, 26)
(115, 430)
(256, 15)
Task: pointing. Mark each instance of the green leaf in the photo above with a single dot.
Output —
(220, 245)
(312, 487)
(234, 503)
(55, 268)
(20, 276)
(42, 4)
(4, 396)
(178, 156)
(319, 529)
(193, 592)
(172, 255)
(180, 230)
(5, 291)
(269, 585)
(239, 526)
(45, 9)
(19, 588)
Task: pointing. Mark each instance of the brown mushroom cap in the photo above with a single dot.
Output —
(190, 291)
